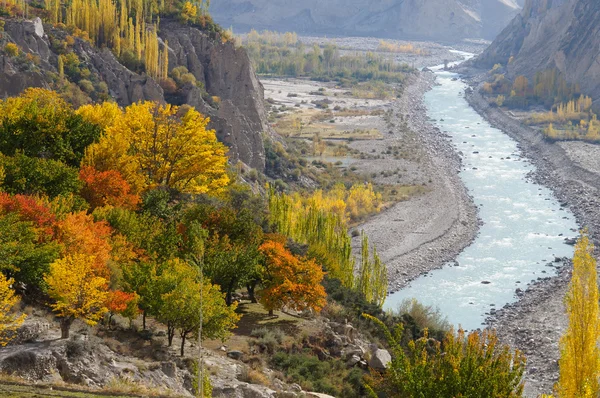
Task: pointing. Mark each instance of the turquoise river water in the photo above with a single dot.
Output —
(523, 225)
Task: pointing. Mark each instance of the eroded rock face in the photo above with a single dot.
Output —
(224, 70)
(444, 20)
(562, 34)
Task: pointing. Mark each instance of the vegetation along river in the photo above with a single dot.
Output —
(523, 228)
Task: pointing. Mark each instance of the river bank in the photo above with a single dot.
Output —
(535, 323)
(424, 233)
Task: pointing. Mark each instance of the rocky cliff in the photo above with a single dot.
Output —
(561, 34)
(442, 20)
(224, 70)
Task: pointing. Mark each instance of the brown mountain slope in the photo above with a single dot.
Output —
(562, 34)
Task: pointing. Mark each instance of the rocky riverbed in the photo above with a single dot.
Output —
(426, 232)
(535, 323)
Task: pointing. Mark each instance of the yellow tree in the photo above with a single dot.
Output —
(162, 145)
(76, 290)
(9, 322)
(580, 358)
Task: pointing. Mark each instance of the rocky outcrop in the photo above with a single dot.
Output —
(443, 20)
(561, 34)
(224, 70)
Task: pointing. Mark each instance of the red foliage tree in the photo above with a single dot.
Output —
(30, 209)
(120, 302)
(103, 188)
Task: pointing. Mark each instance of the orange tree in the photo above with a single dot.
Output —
(101, 188)
(289, 281)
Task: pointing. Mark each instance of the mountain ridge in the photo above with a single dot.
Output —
(439, 20)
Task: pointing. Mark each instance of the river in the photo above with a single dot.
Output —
(523, 229)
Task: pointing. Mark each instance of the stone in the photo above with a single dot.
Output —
(234, 354)
(353, 360)
(38, 27)
(380, 359)
(169, 368)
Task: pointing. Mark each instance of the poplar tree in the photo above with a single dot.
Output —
(579, 361)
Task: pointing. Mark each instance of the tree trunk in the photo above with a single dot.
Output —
(270, 312)
(65, 327)
(170, 334)
(251, 286)
(183, 336)
(144, 320)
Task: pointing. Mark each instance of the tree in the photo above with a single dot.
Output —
(9, 322)
(122, 303)
(181, 304)
(102, 188)
(39, 123)
(36, 176)
(140, 278)
(77, 291)
(80, 234)
(372, 278)
(155, 145)
(289, 281)
(579, 360)
(473, 365)
(24, 255)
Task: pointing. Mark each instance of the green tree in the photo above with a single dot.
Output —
(36, 176)
(182, 305)
(24, 255)
(372, 278)
(41, 124)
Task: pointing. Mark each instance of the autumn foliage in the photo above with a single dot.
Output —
(462, 365)
(580, 357)
(102, 188)
(9, 322)
(155, 145)
(31, 209)
(290, 281)
(77, 291)
(80, 234)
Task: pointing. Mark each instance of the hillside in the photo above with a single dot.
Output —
(546, 35)
(406, 19)
(223, 87)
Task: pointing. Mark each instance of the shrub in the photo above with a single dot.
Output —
(11, 49)
(268, 339)
(86, 86)
(475, 366)
(423, 316)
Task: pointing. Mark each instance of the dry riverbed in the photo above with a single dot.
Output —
(394, 144)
